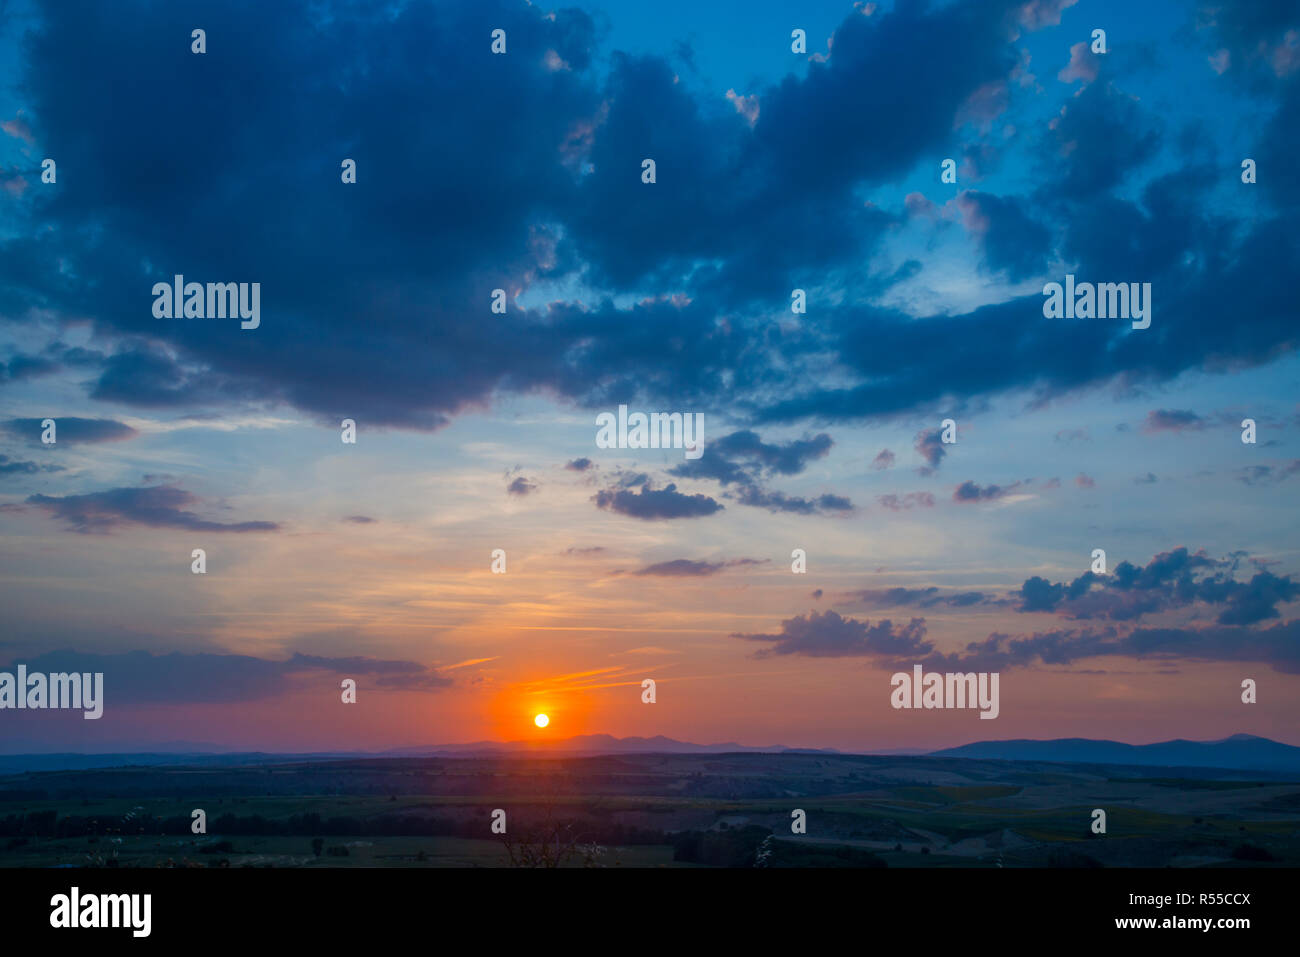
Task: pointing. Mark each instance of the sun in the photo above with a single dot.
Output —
(541, 721)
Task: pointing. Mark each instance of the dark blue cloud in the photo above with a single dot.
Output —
(1276, 645)
(1100, 137)
(775, 501)
(930, 597)
(652, 504)
(158, 506)
(828, 635)
(10, 466)
(1173, 579)
(1012, 241)
(1172, 420)
(141, 677)
(968, 492)
(929, 445)
(743, 459)
(478, 172)
(1268, 474)
(70, 430)
(520, 486)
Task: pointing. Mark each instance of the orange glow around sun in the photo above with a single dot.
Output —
(541, 721)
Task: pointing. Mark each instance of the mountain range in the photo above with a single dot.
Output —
(1241, 752)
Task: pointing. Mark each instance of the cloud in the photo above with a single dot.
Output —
(909, 500)
(1172, 420)
(520, 486)
(1012, 241)
(1268, 474)
(71, 430)
(780, 502)
(1085, 481)
(930, 597)
(745, 460)
(1262, 38)
(10, 466)
(746, 106)
(19, 129)
(651, 504)
(686, 568)
(884, 459)
(1099, 137)
(1277, 645)
(158, 506)
(1083, 65)
(579, 465)
(1171, 580)
(930, 446)
(141, 677)
(554, 208)
(827, 635)
(743, 457)
(559, 210)
(968, 492)
(360, 519)
(22, 367)
(1036, 14)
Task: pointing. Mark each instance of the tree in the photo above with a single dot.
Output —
(550, 843)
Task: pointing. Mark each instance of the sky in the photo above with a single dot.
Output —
(476, 430)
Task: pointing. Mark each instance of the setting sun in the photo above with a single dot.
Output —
(541, 721)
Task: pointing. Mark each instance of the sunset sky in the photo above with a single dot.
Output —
(476, 431)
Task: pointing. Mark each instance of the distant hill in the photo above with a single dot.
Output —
(1243, 752)
(600, 744)
(181, 753)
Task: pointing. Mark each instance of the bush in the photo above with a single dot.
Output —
(1251, 852)
(1070, 858)
(736, 847)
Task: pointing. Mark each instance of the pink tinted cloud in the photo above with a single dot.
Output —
(1286, 55)
(746, 106)
(19, 129)
(985, 104)
(1083, 65)
(1036, 14)
(973, 216)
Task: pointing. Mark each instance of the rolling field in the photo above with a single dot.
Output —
(648, 811)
